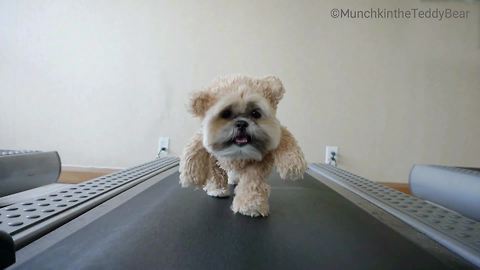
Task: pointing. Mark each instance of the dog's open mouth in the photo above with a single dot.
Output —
(241, 139)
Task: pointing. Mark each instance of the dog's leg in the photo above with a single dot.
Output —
(289, 158)
(217, 185)
(251, 194)
(232, 178)
(194, 164)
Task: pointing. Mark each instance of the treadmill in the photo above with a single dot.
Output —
(140, 218)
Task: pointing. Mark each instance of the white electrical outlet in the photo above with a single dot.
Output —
(163, 145)
(328, 153)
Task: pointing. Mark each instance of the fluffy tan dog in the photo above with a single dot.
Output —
(240, 141)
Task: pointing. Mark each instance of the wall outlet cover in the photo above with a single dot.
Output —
(328, 150)
(163, 143)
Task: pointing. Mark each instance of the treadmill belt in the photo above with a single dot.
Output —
(167, 227)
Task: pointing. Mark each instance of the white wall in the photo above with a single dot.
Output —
(100, 81)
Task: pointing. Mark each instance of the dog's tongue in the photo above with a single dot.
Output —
(241, 139)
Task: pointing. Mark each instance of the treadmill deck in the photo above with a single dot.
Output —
(167, 227)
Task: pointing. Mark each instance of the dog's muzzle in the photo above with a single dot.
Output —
(241, 135)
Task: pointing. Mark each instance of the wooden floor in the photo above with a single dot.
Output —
(405, 188)
(73, 175)
(77, 175)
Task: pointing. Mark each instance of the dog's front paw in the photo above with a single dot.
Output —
(251, 208)
(220, 193)
(251, 212)
(215, 191)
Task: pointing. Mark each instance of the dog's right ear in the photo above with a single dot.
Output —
(200, 102)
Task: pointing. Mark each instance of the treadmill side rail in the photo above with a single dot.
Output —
(452, 230)
(30, 219)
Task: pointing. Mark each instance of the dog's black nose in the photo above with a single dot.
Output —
(241, 124)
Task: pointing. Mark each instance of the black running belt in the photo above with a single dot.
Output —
(167, 227)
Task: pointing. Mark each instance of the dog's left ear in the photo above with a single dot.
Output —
(273, 90)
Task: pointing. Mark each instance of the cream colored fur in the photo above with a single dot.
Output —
(203, 166)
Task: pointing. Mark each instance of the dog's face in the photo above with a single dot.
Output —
(239, 121)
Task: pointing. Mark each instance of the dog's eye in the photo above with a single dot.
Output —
(256, 114)
(226, 114)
